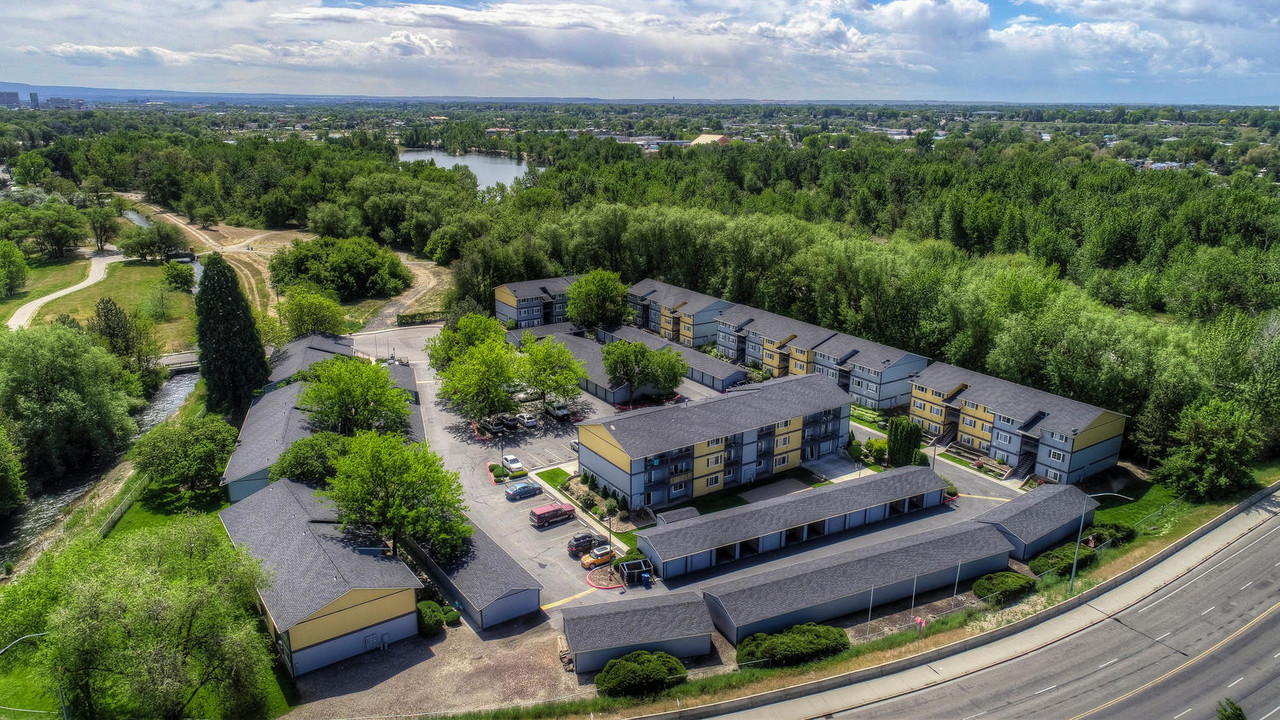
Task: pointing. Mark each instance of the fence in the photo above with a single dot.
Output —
(1152, 523)
(122, 508)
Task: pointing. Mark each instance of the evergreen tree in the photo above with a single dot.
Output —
(904, 441)
(232, 359)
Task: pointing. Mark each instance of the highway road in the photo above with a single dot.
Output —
(1211, 634)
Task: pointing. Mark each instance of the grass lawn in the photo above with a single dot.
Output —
(129, 284)
(23, 687)
(555, 477)
(45, 277)
(1147, 497)
(360, 312)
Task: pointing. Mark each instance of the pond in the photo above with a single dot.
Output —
(489, 169)
(19, 531)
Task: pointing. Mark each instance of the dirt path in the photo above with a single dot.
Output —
(427, 277)
(102, 494)
(97, 271)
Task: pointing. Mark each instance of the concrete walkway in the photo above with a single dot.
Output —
(97, 271)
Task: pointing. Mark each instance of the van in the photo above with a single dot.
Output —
(548, 514)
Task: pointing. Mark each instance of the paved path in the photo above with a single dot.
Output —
(97, 271)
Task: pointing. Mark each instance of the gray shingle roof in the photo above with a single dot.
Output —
(305, 351)
(515, 337)
(545, 288)
(272, 424)
(404, 378)
(841, 346)
(1034, 515)
(484, 572)
(590, 354)
(654, 430)
(1011, 399)
(632, 622)
(312, 562)
(673, 516)
(673, 296)
(697, 360)
(807, 584)
(686, 537)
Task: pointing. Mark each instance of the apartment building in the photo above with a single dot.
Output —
(533, 302)
(669, 454)
(682, 316)
(1031, 430)
(874, 375)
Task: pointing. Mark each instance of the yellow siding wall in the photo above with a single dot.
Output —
(804, 357)
(503, 295)
(700, 486)
(598, 439)
(706, 448)
(786, 441)
(929, 402)
(356, 610)
(1107, 426)
(793, 460)
(709, 463)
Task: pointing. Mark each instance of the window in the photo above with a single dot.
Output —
(715, 443)
(922, 389)
(713, 481)
(937, 393)
(770, 356)
(983, 445)
(784, 424)
(971, 405)
(872, 387)
(918, 404)
(1053, 474)
(969, 422)
(966, 440)
(799, 367)
(1057, 455)
(715, 460)
(917, 421)
(933, 428)
(680, 467)
(759, 464)
(1005, 419)
(935, 410)
(986, 428)
(783, 441)
(780, 461)
(677, 488)
(1003, 438)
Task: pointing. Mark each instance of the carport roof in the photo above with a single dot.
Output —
(697, 360)
(623, 623)
(815, 582)
(688, 537)
(1034, 515)
(312, 562)
(590, 354)
(484, 572)
(646, 432)
(272, 424)
(301, 353)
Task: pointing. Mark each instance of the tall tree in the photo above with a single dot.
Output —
(232, 359)
(103, 225)
(1217, 443)
(112, 324)
(476, 384)
(304, 311)
(665, 369)
(59, 228)
(349, 395)
(904, 441)
(452, 343)
(187, 457)
(13, 268)
(598, 299)
(311, 460)
(624, 361)
(400, 490)
(550, 368)
(13, 488)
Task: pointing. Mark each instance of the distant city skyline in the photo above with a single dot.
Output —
(1133, 51)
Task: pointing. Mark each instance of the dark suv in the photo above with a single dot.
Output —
(585, 542)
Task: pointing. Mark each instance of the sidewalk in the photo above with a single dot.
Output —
(571, 467)
(1033, 638)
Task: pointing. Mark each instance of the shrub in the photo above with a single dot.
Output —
(611, 506)
(157, 304)
(179, 276)
(903, 442)
(1003, 587)
(878, 449)
(419, 318)
(919, 458)
(591, 483)
(352, 267)
(623, 503)
(452, 617)
(640, 673)
(1114, 533)
(430, 618)
(854, 448)
(498, 471)
(795, 645)
(624, 515)
(951, 488)
(1059, 560)
(632, 554)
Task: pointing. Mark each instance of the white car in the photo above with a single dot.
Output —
(512, 463)
(528, 419)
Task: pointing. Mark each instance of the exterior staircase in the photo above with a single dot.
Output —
(1025, 465)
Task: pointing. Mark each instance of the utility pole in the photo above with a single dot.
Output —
(1080, 535)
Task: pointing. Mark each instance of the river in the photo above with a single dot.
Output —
(489, 169)
(19, 531)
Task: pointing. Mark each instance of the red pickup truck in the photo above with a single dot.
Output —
(548, 514)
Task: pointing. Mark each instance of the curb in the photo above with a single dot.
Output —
(601, 587)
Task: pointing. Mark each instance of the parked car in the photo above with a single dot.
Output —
(555, 409)
(549, 514)
(493, 426)
(528, 419)
(574, 444)
(597, 557)
(523, 489)
(509, 421)
(526, 396)
(512, 463)
(585, 542)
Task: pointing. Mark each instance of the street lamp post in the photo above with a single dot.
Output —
(1080, 535)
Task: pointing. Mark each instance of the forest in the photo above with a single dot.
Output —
(1055, 264)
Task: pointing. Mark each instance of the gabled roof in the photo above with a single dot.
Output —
(484, 572)
(674, 516)
(1019, 402)
(591, 354)
(272, 424)
(404, 378)
(546, 288)
(1034, 515)
(312, 562)
(674, 296)
(654, 430)
(516, 336)
(812, 583)
(305, 351)
(622, 623)
(696, 359)
(687, 537)
(846, 349)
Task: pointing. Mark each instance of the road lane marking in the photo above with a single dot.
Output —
(1277, 655)
(971, 717)
(1164, 636)
(1184, 712)
(1107, 663)
(1237, 682)
(985, 497)
(1206, 572)
(1273, 712)
(1044, 690)
(1246, 585)
(571, 598)
(1185, 665)
(1206, 612)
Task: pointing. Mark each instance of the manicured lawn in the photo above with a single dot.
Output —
(45, 277)
(1147, 498)
(555, 477)
(129, 284)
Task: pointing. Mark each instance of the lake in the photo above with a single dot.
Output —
(489, 169)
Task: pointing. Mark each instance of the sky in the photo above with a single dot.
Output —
(1107, 51)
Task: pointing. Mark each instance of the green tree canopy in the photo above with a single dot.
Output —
(665, 369)
(638, 366)
(548, 367)
(59, 228)
(1217, 442)
(186, 458)
(13, 268)
(453, 342)
(179, 276)
(304, 311)
(349, 395)
(156, 241)
(904, 440)
(232, 359)
(103, 225)
(311, 460)
(353, 267)
(13, 487)
(476, 384)
(400, 490)
(598, 299)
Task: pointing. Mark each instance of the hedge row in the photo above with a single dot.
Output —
(1003, 587)
(795, 645)
(640, 673)
(420, 318)
(1114, 533)
(1059, 560)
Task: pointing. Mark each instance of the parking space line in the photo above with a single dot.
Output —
(571, 598)
(984, 497)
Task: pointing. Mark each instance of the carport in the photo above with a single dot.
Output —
(488, 585)
(677, 624)
(1040, 519)
(768, 525)
(703, 369)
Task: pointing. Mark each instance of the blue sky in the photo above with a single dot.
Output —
(1132, 51)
